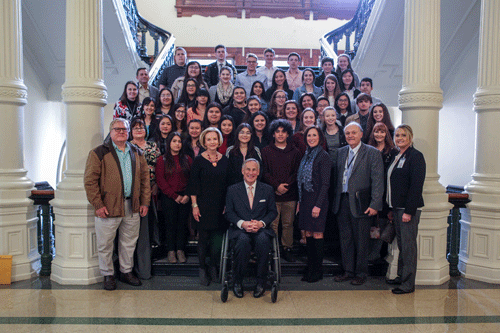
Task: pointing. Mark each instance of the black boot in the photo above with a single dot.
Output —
(310, 254)
(318, 261)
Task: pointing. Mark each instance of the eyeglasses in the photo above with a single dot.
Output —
(121, 129)
(191, 85)
(180, 111)
(251, 62)
(138, 129)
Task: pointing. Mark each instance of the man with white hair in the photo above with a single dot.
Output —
(359, 193)
(117, 185)
(251, 209)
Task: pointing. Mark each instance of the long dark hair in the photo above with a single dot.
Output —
(263, 94)
(230, 137)
(206, 123)
(200, 92)
(169, 158)
(146, 101)
(265, 131)
(386, 120)
(123, 97)
(349, 110)
(342, 86)
(183, 123)
(237, 143)
(157, 135)
(184, 98)
(199, 78)
(159, 105)
(274, 86)
(310, 94)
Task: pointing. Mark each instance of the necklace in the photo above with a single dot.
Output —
(214, 162)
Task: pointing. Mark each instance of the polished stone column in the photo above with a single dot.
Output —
(84, 95)
(420, 100)
(18, 221)
(479, 256)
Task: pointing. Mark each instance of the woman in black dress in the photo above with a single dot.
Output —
(207, 187)
(313, 179)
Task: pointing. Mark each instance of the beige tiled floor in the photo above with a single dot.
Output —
(291, 304)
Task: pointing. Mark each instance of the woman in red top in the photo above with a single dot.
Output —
(172, 175)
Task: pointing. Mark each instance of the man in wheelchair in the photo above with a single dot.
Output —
(250, 208)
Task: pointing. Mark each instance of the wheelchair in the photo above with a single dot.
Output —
(226, 273)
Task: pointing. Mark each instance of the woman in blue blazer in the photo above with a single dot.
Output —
(405, 181)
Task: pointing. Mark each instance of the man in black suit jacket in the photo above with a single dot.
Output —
(212, 71)
(250, 224)
(360, 170)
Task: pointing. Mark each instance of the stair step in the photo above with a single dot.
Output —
(331, 264)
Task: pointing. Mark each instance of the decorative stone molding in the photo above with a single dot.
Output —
(83, 94)
(16, 95)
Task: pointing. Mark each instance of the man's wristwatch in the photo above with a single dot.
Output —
(194, 205)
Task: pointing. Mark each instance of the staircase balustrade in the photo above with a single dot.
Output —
(330, 41)
(142, 30)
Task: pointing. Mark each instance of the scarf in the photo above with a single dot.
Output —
(304, 175)
(224, 95)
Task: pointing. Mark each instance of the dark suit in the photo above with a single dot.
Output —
(263, 209)
(407, 181)
(354, 226)
(211, 75)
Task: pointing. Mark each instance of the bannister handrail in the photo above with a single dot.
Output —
(357, 24)
(139, 27)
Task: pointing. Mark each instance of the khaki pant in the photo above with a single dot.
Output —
(286, 210)
(128, 232)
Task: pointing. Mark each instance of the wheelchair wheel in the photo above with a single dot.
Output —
(224, 293)
(274, 292)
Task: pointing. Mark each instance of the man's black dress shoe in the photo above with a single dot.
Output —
(204, 279)
(287, 255)
(130, 278)
(238, 290)
(395, 281)
(259, 291)
(358, 281)
(109, 282)
(399, 291)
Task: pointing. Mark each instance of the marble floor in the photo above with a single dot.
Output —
(179, 304)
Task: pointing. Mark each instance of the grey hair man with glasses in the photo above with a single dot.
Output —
(117, 185)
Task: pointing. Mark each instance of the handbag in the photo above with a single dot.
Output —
(388, 233)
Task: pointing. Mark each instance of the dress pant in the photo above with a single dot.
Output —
(261, 243)
(142, 255)
(176, 216)
(128, 232)
(354, 239)
(406, 235)
(286, 210)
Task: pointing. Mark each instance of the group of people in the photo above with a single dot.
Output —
(253, 152)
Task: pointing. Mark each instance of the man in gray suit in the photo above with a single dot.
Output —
(359, 192)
